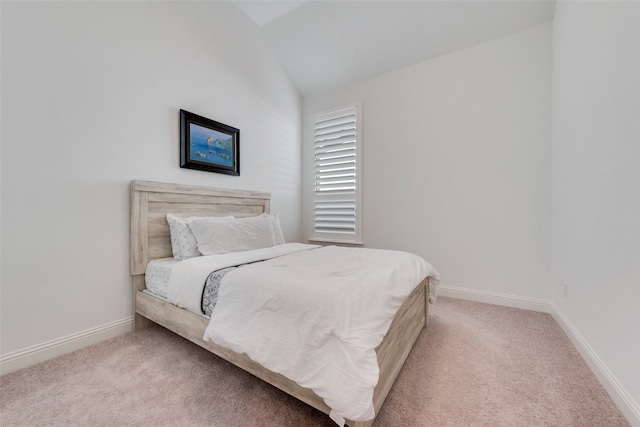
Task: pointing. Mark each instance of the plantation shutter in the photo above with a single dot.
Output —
(337, 169)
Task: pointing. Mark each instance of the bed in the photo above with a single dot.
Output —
(150, 240)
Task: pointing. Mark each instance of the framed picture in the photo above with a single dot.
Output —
(208, 145)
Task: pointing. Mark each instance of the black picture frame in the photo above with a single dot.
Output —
(208, 145)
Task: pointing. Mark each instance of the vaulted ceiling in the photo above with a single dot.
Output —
(325, 45)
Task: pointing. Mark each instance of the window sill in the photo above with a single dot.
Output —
(335, 242)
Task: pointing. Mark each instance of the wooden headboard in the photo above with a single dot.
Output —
(152, 201)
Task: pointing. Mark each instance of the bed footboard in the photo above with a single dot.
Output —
(407, 325)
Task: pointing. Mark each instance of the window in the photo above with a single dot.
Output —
(337, 186)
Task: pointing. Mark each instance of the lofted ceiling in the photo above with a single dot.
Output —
(327, 44)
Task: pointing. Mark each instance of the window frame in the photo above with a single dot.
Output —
(355, 238)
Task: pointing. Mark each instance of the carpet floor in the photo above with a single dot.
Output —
(477, 365)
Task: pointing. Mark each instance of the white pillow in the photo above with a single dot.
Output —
(232, 235)
(277, 229)
(183, 242)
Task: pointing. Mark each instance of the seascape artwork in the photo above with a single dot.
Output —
(211, 146)
(208, 145)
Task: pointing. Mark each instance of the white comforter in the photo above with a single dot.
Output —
(313, 314)
(189, 276)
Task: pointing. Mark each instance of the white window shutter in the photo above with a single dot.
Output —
(337, 187)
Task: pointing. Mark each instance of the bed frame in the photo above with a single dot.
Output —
(151, 201)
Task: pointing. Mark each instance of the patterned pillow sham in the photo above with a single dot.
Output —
(278, 236)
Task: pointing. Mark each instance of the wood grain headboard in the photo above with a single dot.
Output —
(152, 201)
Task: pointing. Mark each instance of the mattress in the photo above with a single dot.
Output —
(158, 276)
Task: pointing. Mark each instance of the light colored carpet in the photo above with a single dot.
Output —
(478, 365)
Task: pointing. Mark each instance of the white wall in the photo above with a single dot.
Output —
(90, 99)
(457, 162)
(596, 182)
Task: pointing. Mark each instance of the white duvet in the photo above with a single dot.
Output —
(313, 314)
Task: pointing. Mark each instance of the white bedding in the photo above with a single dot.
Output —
(314, 314)
(317, 316)
(188, 277)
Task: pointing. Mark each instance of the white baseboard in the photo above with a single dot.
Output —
(627, 405)
(525, 303)
(38, 353)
